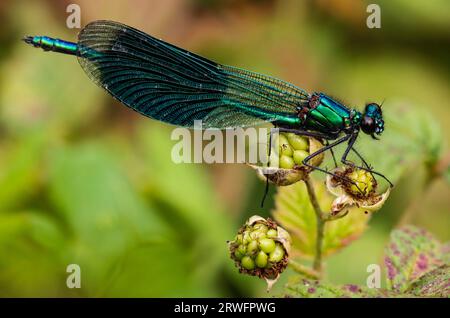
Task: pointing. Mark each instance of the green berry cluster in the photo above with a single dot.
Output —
(360, 185)
(364, 182)
(285, 163)
(257, 250)
(290, 150)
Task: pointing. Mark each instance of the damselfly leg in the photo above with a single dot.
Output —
(327, 143)
(277, 130)
(367, 167)
(266, 190)
(329, 146)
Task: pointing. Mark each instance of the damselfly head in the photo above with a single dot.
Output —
(372, 121)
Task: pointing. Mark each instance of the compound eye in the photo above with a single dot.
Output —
(368, 125)
(373, 107)
(379, 126)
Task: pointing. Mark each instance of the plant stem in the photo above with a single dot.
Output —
(317, 265)
(304, 270)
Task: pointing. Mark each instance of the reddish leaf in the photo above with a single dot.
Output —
(411, 253)
(306, 288)
(433, 284)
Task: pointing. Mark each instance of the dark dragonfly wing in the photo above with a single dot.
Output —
(167, 83)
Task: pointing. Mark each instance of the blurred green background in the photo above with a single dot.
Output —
(85, 180)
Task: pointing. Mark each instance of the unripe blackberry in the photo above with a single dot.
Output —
(252, 248)
(354, 187)
(364, 182)
(261, 248)
(297, 142)
(277, 254)
(357, 183)
(261, 259)
(284, 148)
(272, 233)
(285, 163)
(248, 263)
(267, 245)
(299, 156)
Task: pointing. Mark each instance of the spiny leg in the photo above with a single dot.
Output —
(298, 132)
(332, 154)
(361, 158)
(378, 174)
(266, 190)
(351, 142)
(370, 170)
(344, 160)
(321, 150)
(367, 168)
(318, 152)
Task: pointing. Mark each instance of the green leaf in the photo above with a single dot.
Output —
(410, 254)
(11, 225)
(433, 284)
(154, 270)
(104, 215)
(189, 191)
(33, 246)
(20, 173)
(306, 288)
(187, 187)
(295, 213)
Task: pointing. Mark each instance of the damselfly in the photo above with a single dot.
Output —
(170, 84)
